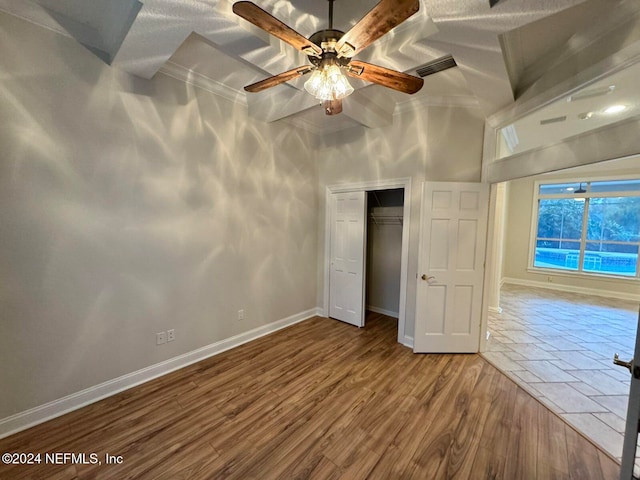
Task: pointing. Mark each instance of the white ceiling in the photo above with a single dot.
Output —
(580, 112)
(499, 50)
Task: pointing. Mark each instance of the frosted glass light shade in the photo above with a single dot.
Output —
(328, 83)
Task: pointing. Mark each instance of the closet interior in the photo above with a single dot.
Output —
(384, 250)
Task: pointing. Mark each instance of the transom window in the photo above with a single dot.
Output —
(590, 227)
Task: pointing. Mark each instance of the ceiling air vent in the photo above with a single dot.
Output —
(438, 65)
(591, 93)
(547, 121)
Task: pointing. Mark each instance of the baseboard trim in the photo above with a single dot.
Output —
(408, 342)
(495, 309)
(48, 411)
(382, 311)
(572, 289)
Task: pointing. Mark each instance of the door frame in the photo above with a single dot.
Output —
(492, 268)
(404, 183)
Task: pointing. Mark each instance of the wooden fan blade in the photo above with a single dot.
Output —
(278, 79)
(267, 22)
(384, 76)
(383, 17)
(332, 107)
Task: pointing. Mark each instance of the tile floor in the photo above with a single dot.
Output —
(559, 347)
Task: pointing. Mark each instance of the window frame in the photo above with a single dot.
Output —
(535, 210)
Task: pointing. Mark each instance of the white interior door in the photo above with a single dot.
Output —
(633, 412)
(346, 279)
(451, 267)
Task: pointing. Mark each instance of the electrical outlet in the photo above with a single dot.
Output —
(161, 337)
(171, 335)
(240, 314)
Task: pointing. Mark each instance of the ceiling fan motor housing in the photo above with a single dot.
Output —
(326, 40)
(328, 37)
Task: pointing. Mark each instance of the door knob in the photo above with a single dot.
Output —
(425, 278)
(622, 363)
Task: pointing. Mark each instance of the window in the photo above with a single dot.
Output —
(590, 227)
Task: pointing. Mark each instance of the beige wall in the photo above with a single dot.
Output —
(433, 144)
(518, 229)
(130, 207)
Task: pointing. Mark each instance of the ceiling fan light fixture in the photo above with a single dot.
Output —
(328, 83)
(330, 51)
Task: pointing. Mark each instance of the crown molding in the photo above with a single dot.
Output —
(198, 80)
(461, 101)
(41, 21)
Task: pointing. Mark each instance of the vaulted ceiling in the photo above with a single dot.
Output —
(501, 50)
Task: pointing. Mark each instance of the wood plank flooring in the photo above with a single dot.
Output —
(319, 400)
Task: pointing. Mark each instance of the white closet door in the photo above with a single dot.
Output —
(346, 280)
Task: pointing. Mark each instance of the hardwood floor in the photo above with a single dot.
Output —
(319, 400)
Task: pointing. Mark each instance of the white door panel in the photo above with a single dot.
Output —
(346, 279)
(451, 267)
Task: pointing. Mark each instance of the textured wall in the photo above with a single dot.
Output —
(129, 207)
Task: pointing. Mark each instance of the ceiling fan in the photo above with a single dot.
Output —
(330, 51)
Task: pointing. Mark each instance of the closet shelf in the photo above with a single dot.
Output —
(385, 219)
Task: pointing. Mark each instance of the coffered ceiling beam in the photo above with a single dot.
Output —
(279, 102)
(369, 109)
(470, 31)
